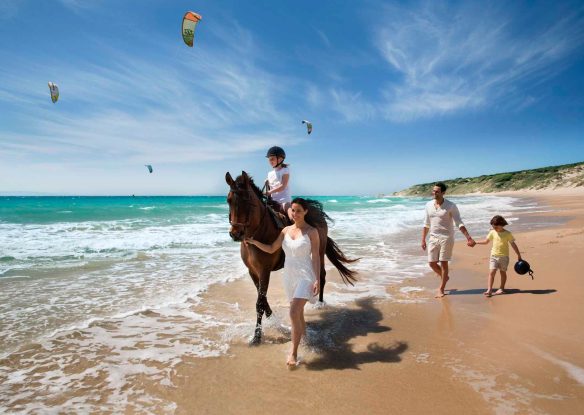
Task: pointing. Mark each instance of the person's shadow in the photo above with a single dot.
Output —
(508, 291)
(330, 335)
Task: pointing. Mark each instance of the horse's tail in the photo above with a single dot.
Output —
(337, 258)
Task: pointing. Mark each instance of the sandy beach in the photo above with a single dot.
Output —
(514, 353)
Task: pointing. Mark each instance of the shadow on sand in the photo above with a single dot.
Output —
(508, 291)
(330, 336)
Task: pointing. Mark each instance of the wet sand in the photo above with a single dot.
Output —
(515, 353)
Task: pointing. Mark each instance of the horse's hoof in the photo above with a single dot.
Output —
(256, 340)
(319, 305)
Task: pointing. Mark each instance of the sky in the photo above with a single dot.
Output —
(399, 93)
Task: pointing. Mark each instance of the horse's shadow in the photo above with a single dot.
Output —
(508, 291)
(330, 335)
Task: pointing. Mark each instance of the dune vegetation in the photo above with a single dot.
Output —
(567, 175)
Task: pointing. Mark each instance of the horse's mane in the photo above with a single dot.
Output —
(315, 217)
(261, 196)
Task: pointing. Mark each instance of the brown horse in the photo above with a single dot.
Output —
(251, 215)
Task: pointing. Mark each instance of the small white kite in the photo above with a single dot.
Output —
(54, 91)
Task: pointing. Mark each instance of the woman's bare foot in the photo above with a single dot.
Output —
(292, 361)
(487, 294)
(500, 291)
(440, 294)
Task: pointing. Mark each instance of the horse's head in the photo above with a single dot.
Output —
(241, 200)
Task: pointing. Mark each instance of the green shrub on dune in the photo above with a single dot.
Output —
(567, 175)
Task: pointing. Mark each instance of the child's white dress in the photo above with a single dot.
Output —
(298, 274)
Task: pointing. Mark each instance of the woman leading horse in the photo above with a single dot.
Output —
(251, 216)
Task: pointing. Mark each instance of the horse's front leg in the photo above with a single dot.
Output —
(262, 307)
(257, 337)
(263, 298)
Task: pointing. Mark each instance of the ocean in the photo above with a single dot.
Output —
(105, 284)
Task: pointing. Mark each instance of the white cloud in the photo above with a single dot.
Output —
(80, 5)
(325, 40)
(184, 106)
(351, 105)
(451, 59)
(313, 95)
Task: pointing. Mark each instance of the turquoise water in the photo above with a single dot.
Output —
(43, 210)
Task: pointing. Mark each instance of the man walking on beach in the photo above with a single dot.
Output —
(441, 215)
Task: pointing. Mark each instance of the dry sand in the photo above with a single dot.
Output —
(517, 353)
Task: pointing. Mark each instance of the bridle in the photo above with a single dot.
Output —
(245, 225)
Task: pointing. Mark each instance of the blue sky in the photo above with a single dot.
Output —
(399, 93)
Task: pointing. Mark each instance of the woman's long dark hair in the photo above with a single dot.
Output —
(315, 216)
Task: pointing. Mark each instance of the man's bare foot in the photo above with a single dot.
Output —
(500, 291)
(487, 294)
(292, 361)
(441, 292)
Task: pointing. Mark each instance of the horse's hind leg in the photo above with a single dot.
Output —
(322, 234)
(322, 281)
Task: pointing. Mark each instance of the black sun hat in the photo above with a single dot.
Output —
(522, 267)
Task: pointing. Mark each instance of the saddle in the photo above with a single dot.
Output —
(282, 220)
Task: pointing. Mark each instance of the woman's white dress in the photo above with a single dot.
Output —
(298, 274)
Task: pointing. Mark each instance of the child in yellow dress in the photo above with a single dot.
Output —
(499, 252)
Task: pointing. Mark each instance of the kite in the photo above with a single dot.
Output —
(308, 126)
(54, 91)
(149, 167)
(189, 23)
